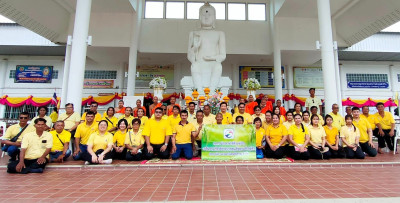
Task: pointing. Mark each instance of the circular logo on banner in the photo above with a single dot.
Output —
(229, 133)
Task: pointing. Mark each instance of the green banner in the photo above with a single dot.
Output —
(228, 142)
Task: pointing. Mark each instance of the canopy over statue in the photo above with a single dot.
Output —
(206, 51)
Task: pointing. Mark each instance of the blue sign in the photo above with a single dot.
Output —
(33, 74)
(368, 85)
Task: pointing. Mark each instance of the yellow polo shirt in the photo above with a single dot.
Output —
(100, 141)
(247, 119)
(349, 135)
(119, 138)
(13, 130)
(173, 121)
(196, 126)
(191, 117)
(35, 146)
(83, 131)
(261, 116)
(112, 122)
(298, 135)
(227, 118)
(363, 125)
(317, 134)
(134, 139)
(129, 119)
(276, 134)
(210, 119)
(47, 118)
(97, 117)
(313, 102)
(183, 133)
(266, 125)
(338, 120)
(69, 121)
(53, 116)
(64, 136)
(287, 124)
(143, 121)
(371, 119)
(387, 120)
(260, 135)
(331, 134)
(157, 130)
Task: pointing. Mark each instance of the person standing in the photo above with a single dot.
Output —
(208, 118)
(192, 113)
(111, 120)
(120, 108)
(246, 116)
(93, 108)
(42, 111)
(313, 101)
(226, 116)
(138, 106)
(71, 119)
(154, 105)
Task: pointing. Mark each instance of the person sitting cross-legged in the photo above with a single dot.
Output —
(99, 146)
(35, 148)
(350, 136)
(119, 150)
(134, 142)
(61, 138)
(299, 138)
(276, 135)
(182, 136)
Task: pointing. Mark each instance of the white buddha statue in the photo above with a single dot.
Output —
(206, 51)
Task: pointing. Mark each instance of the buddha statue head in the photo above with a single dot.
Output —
(207, 16)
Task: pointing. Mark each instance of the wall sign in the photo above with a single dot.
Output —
(148, 72)
(33, 74)
(264, 75)
(308, 77)
(368, 85)
(98, 84)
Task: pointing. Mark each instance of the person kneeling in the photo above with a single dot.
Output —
(35, 148)
(134, 142)
(61, 138)
(99, 146)
(350, 137)
(182, 136)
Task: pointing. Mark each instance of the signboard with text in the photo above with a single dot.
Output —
(308, 77)
(148, 72)
(368, 85)
(98, 84)
(33, 74)
(264, 75)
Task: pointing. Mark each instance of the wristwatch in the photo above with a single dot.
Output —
(166, 144)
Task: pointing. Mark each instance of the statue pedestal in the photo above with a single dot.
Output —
(225, 83)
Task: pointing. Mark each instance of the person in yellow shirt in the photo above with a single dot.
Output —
(119, 150)
(182, 136)
(239, 120)
(246, 116)
(338, 120)
(386, 125)
(289, 120)
(93, 108)
(127, 116)
(82, 135)
(111, 120)
(157, 134)
(306, 118)
(317, 147)
(71, 119)
(35, 149)
(54, 115)
(226, 116)
(260, 138)
(371, 119)
(192, 112)
(277, 110)
(143, 118)
(42, 111)
(298, 109)
(365, 133)
(208, 117)
(268, 120)
(276, 136)
(314, 111)
(198, 124)
(313, 101)
(258, 114)
(219, 119)
(14, 134)
(332, 138)
(61, 138)
(134, 142)
(99, 146)
(175, 118)
(350, 136)
(299, 137)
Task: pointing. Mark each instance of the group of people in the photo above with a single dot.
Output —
(170, 132)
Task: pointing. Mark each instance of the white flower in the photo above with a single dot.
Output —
(251, 84)
(158, 82)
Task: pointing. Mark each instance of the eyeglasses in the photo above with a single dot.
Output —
(23, 117)
(158, 112)
(93, 106)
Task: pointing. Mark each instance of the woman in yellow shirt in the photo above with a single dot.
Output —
(306, 118)
(332, 138)
(219, 118)
(134, 142)
(143, 118)
(277, 111)
(226, 116)
(99, 146)
(257, 113)
(276, 136)
(111, 120)
(260, 138)
(317, 147)
(350, 136)
(299, 137)
(297, 109)
(119, 150)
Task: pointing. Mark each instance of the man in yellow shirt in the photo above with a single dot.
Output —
(157, 134)
(82, 135)
(93, 108)
(338, 120)
(71, 119)
(386, 125)
(192, 112)
(61, 138)
(198, 124)
(182, 136)
(175, 118)
(35, 148)
(226, 116)
(247, 117)
(371, 119)
(313, 101)
(14, 134)
(208, 118)
(365, 132)
(314, 111)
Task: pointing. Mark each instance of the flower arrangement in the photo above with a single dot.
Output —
(158, 82)
(214, 101)
(251, 84)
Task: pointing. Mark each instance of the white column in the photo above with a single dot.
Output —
(235, 79)
(289, 74)
(177, 76)
(277, 56)
(133, 49)
(327, 55)
(3, 77)
(121, 75)
(338, 84)
(343, 85)
(67, 63)
(78, 53)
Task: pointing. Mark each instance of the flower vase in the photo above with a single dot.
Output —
(158, 91)
(251, 92)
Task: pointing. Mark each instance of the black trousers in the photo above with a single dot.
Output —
(386, 138)
(277, 154)
(351, 154)
(337, 153)
(119, 156)
(365, 147)
(31, 165)
(88, 157)
(317, 154)
(199, 145)
(156, 152)
(136, 157)
(297, 155)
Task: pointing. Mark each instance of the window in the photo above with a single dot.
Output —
(352, 77)
(100, 74)
(13, 112)
(256, 11)
(154, 9)
(236, 11)
(219, 10)
(12, 74)
(55, 74)
(175, 10)
(192, 10)
(398, 77)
